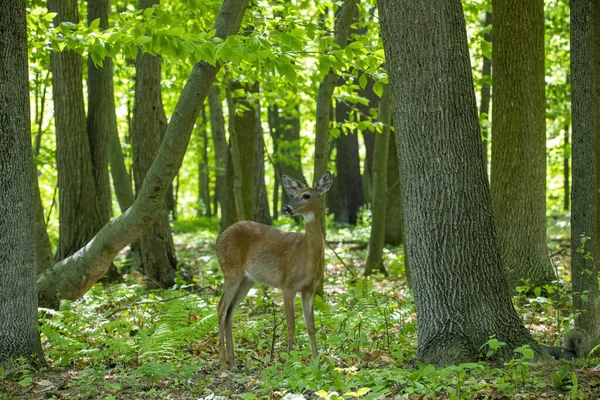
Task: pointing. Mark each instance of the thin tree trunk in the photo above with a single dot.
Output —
(484, 109)
(156, 246)
(261, 202)
(584, 211)
(121, 178)
(203, 177)
(79, 219)
(518, 184)
(394, 223)
(222, 159)
(19, 334)
(453, 252)
(72, 277)
(380, 188)
(566, 166)
(43, 249)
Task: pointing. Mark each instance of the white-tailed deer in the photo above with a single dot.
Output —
(249, 253)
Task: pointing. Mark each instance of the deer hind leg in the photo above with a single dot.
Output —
(288, 305)
(230, 288)
(240, 293)
(309, 319)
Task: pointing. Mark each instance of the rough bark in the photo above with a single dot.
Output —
(78, 218)
(584, 211)
(394, 214)
(461, 295)
(222, 159)
(484, 107)
(380, 189)
(349, 189)
(518, 184)
(19, 336)
(88, 264)
(157, 250)
(100, 104)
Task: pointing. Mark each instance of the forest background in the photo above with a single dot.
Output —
(301, 88)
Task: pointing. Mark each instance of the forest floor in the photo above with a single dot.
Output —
(121, 341)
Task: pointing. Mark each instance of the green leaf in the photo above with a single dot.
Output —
(95, 24)
(50, 16)
(378, 88)
(141, 40)
(362, 81)
(177, 31)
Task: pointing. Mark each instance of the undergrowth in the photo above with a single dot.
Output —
(122, 341)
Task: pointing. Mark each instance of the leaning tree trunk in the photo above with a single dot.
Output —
(157, 250)
(19, 335)
(380, 189)
(222, 159)
(518, 184)
(584, 210)
(349, 194)
(461, 295)
(79, 218)
(72, 277)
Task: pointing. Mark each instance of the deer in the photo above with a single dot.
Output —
(249, 252)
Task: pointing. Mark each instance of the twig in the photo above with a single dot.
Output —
(340, 258)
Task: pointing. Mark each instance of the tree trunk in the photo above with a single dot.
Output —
(584, 211)
(380, 188)
(157, 250)
(261, 201)
(567, 166)
(79, 219)
(242, 131)
(203, 176)
(43, 249)
(518, 184)
(484, 109)
(461, 295)
(72, 277)
(121, 178)
(222, 159)
(349, 196)
(100, 104)
(394, 214)
(19, 335)
(344, 18)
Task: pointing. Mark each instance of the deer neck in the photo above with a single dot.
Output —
(313, 235)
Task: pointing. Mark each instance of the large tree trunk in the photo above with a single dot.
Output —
(222, 160)
(157, 250)
(349, 190)
(584, 211)
(19, 335)
(394, 214)
(72, 277)
(461, 295)
(518, 184)
(79, 219)
(380, 189)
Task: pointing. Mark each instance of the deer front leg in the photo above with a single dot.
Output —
(309, 320)
(288, 305)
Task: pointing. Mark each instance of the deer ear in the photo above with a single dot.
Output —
(291, 185)
(325, 182)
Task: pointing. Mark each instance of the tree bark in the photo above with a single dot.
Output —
(484, 108)
(78, 218)
(584, 211)
(394, 214)
(203, 176)
(19, 335)
(461, 295)
(43, 248)
(349, 194)
(380, 188)
(261, 201)
(101, 105)
(157, 250)
(223, 188)
(518, 184)
(72, 277)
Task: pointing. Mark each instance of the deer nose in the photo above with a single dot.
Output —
(287, 210)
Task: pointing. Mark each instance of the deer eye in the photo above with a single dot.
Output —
(306, 196)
